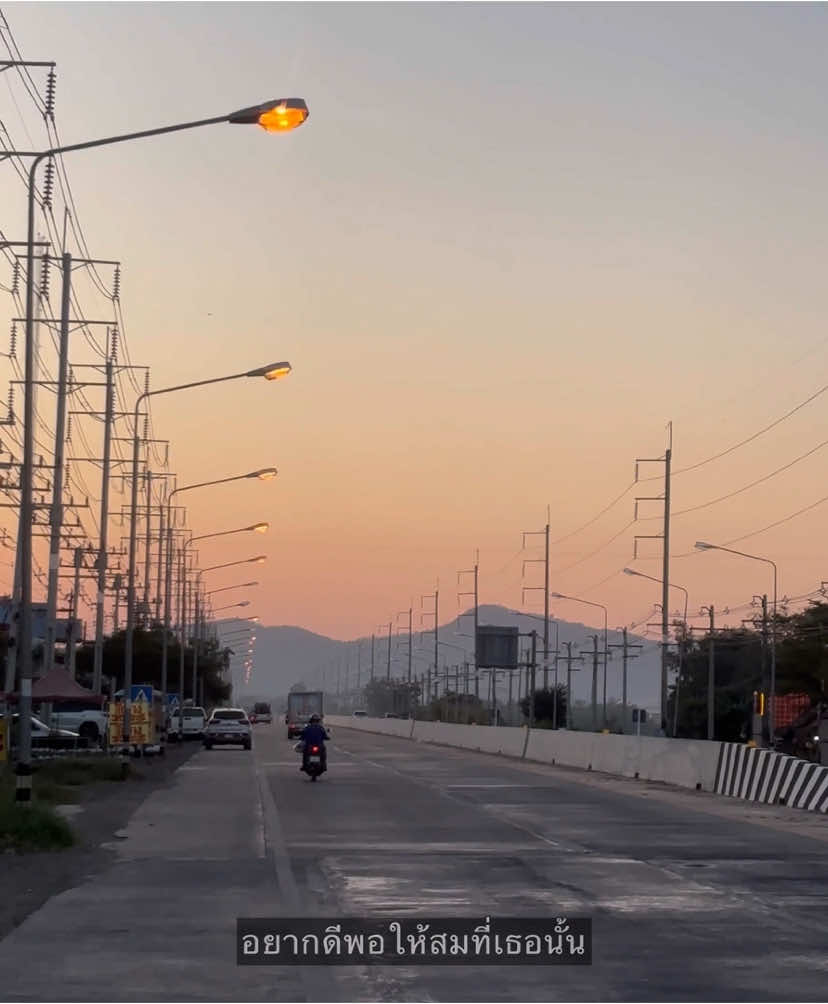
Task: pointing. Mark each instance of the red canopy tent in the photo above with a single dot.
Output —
(58, 685)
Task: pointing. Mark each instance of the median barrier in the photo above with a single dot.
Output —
(724, 768)
(505, 740)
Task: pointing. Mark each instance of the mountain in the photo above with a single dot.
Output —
(285, 656)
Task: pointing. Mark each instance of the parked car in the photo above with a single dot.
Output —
(194, 721)
(228, 727)
(360, 714)
(87, 719)
(44, 738)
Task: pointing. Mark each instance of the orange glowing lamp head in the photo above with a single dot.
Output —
(278, 115)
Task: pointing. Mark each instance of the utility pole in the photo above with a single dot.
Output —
(73, 614)
(569, 660)
(373, 638)
(594, 682)
(711, 672)
(57, 483)
(410, 613)
(435, 613)
(148, 538)
(388, 670)
(626, 655)
(665, 575)
(532, 684)
(545, 588)
(410, 641)
(196, 627)
(475, 572)
(117, 585)
(97, 671)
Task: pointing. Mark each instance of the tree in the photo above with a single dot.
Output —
(457, 707)
(396, 697)
(742, 667)
(213, 663)
(299, 688)
(545, 706)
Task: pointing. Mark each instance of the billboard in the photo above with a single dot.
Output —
(497, 647)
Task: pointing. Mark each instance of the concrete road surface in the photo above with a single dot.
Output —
(693, 897)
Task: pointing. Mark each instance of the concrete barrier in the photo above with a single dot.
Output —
(773, 778)
(724, 768)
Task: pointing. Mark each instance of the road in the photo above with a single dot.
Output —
(693, 897)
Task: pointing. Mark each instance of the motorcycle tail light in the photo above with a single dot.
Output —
(314, 749)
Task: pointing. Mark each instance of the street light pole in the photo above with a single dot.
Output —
(600, 606)
(271, 372)
(702, 545)
(673, 585)
(264, 474)
(278, 115)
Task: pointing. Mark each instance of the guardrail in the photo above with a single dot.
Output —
(698, 764)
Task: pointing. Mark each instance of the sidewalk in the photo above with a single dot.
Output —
(159, 923)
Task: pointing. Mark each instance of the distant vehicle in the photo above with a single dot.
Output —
(84, 717)
(262, 713)
(360, 714)
(193, 723)
(228, 727)
(301, 705)
(389, 714)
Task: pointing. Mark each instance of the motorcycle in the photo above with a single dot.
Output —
(312, 763)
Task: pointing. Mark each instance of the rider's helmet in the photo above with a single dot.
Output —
(315, 719)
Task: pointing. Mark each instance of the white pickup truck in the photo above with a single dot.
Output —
(85, 718)
(192, 725)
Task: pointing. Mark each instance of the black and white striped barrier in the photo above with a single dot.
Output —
(774, 778)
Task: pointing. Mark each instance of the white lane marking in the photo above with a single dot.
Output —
(318, 985)
(539, 786)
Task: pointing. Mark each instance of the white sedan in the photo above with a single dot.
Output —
(228, 727)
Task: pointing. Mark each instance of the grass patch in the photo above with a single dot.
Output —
(75, 771)
(35, 827)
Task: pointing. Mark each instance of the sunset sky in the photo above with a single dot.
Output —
(511, 243)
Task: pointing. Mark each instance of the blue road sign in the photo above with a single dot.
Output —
(141, 692)
(172, 700)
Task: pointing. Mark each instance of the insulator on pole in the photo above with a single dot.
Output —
(48, 183)
(51, 81)
(13, 341)
(16, 278)
(44, 277)
(116, 284)
(114, 345)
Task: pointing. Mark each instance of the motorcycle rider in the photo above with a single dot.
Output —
(314, 734)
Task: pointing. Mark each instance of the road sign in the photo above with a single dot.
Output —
(141, 692)
(116, 722)
(172, 701)
(140, 715)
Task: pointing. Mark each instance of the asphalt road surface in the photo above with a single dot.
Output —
(693, 897)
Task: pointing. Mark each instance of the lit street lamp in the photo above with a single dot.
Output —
(702, 545)
(271, 372)
(277, 115)
(261, 474)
